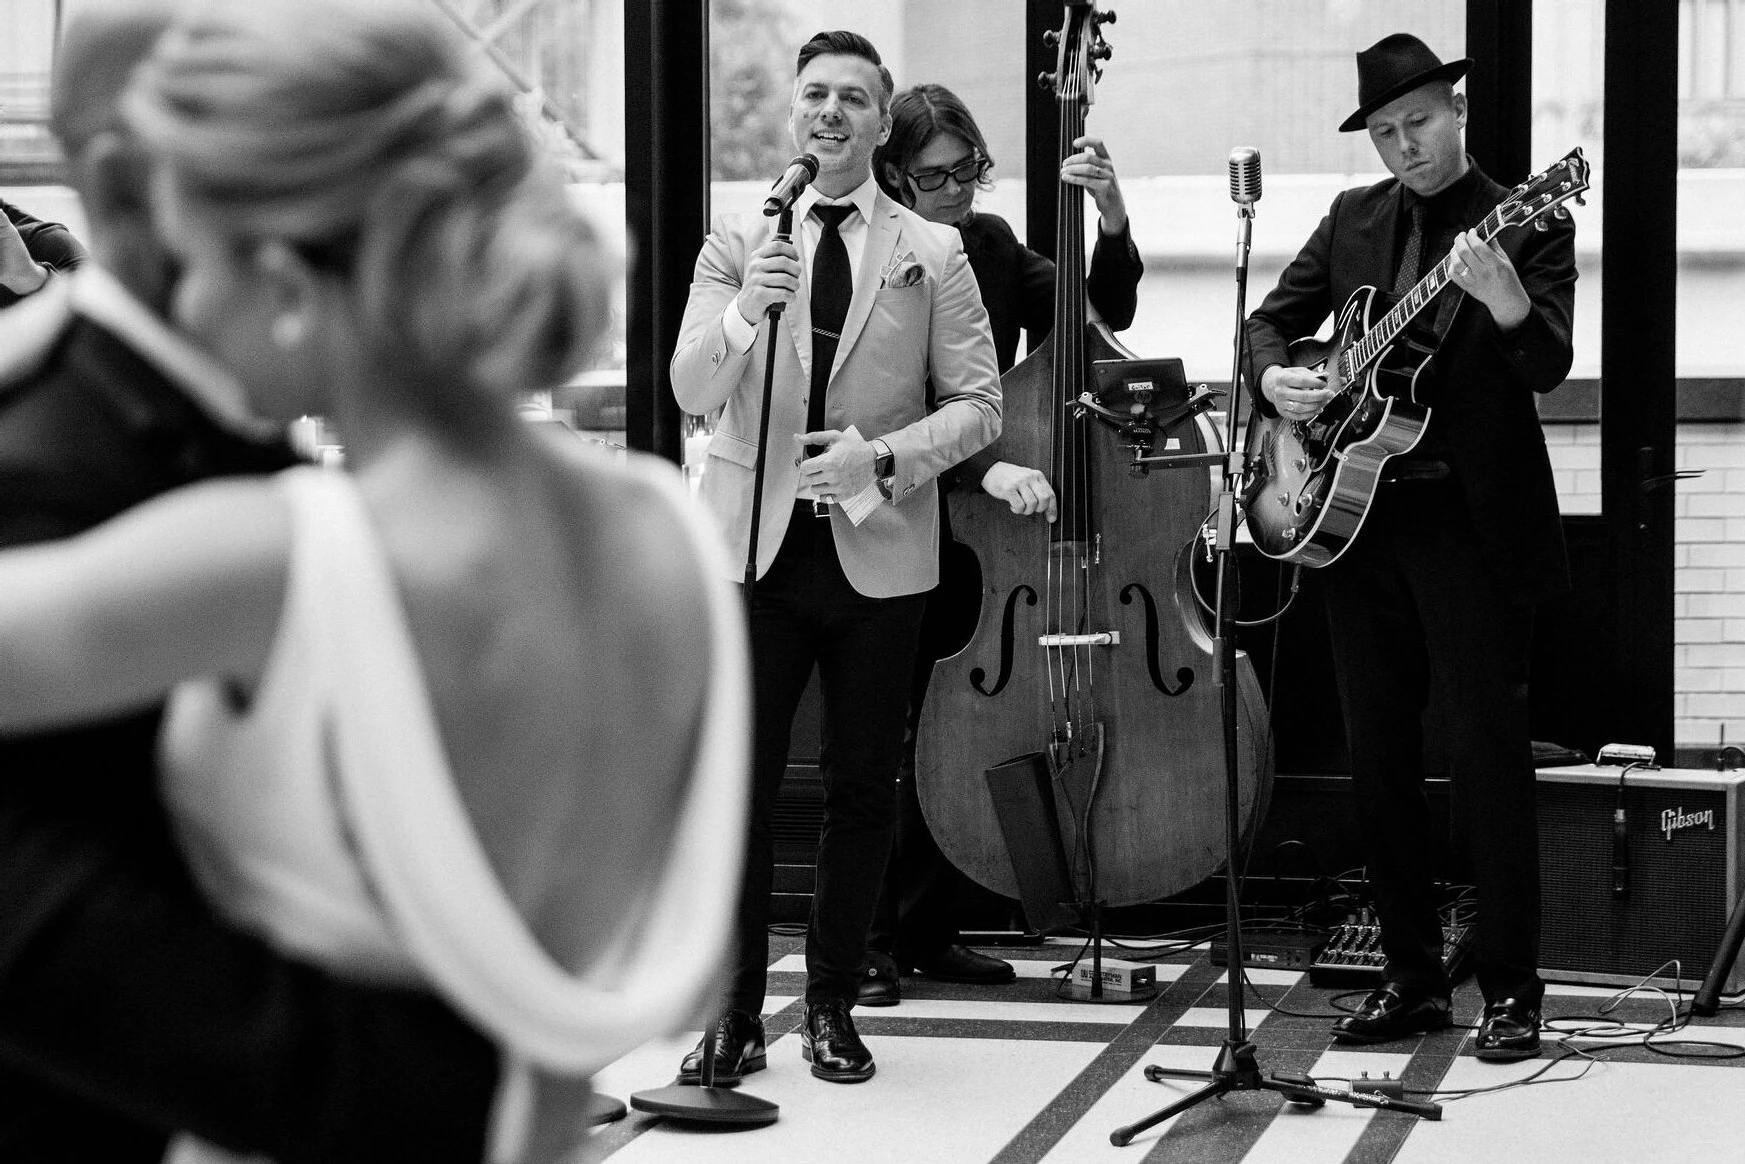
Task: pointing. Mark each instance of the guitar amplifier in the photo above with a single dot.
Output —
(1684, 832)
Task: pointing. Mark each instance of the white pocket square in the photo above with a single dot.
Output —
(903, 270)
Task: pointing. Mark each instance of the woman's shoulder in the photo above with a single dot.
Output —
(662, 553)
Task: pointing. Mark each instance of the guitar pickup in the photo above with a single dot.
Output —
(1097, 639)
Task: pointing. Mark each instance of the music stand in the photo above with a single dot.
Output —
(1237, 1068)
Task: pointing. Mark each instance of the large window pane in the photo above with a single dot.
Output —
(1710, 577)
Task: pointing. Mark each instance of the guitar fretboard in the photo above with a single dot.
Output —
(1359, 356)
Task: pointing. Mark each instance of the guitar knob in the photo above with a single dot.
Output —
(1300, 464)
(1284, 498)
(1289, 533)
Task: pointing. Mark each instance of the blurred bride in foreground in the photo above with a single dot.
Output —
(472, 711)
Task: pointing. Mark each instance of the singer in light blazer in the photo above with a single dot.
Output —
(916, 313)
(913, 390)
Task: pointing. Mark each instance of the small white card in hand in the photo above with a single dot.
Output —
(857, 508)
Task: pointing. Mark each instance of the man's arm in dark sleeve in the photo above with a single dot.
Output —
(1113, 280)
(1294, 309)
(120, 987)
(1541, 349)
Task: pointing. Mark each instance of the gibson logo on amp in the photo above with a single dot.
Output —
(1674, 819)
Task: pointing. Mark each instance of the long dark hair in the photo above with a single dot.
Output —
(918, 114)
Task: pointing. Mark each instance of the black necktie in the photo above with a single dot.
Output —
(832, 287)
(1407, 276)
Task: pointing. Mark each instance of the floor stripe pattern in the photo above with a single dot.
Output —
(1017, 1075)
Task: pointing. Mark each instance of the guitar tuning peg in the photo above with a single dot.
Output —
(1539, 224)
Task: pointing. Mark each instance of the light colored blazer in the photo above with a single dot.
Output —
(894, 338)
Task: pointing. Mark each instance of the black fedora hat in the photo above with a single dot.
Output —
(1392, 67)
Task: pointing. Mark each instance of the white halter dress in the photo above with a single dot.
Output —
(325, 818)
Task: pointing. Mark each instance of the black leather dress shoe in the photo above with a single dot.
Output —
(739, 1050)
(878, 981)
(828, 1041)
(1510, 1031)
(1393, 1011)
(958, 963)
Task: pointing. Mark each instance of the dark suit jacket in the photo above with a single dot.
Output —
(127, 1009)
(1482, 393)
(49, 243)
(1017, 287)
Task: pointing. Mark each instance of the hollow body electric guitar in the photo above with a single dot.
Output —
(1310, 483)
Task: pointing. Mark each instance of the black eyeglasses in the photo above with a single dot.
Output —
(973, 170)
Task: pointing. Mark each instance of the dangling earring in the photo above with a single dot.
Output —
(287, 330)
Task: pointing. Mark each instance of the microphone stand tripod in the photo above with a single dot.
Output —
(708, 1103)
(1237, 1068)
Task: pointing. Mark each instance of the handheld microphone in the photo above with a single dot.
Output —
(1245, 175)
(799, 174)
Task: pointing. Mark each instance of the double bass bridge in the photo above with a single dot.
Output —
(1094, 639)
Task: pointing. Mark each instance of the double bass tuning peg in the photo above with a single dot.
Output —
(1045, 82)
(1051, 37)
(1102, 51)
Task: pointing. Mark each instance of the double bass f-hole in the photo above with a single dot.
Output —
(1184, 675)
(978, 674)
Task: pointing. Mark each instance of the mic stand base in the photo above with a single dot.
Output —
(706, 1103)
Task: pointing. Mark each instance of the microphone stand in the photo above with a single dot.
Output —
(707, 1103)
(773, 313)
(1237, 1068)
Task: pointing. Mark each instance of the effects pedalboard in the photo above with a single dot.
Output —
(1352, 956)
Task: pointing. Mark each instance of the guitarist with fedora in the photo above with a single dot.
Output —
(1430, 609)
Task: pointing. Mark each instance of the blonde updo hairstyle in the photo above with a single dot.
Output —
(360, 133)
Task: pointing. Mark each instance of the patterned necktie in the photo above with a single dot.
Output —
(1407, 276)
(832, 287)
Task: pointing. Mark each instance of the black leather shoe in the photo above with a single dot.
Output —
(1510, 1031)
(739, 1051)
(958, 963)
(828, 1042)
(878, 981)
(1393, 1011)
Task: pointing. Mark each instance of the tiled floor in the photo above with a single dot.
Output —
(1013, 1075)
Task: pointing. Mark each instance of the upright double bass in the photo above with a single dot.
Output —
(1090, 657)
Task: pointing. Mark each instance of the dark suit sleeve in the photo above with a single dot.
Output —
(49, 243)
(119, 989)
(1295, 308)
(1113, 281)
(1540, 351)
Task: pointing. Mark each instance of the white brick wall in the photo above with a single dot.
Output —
(1709, 578)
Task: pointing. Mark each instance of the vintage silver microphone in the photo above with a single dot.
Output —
(1245, 175)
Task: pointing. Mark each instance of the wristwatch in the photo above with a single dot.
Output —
(884, 466)
(884, 461)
